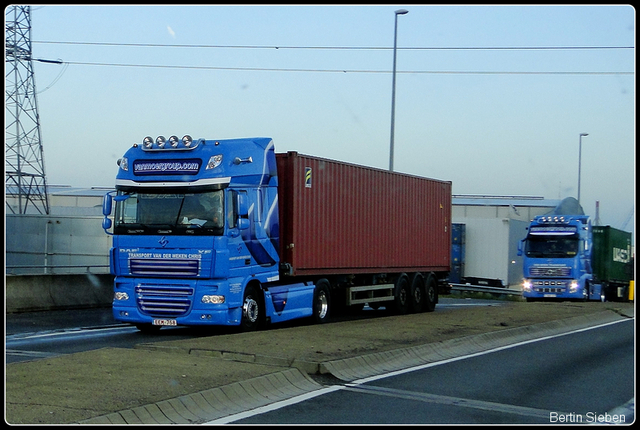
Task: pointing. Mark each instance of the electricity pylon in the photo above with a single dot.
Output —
(25, 179)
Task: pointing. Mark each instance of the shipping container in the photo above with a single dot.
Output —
(341, 218)
(611, 255)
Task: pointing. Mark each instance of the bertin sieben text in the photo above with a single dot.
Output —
(588, 418)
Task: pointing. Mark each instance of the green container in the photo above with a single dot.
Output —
(611, 255)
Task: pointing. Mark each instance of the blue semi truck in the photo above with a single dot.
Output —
(565, 257)
(227, 232)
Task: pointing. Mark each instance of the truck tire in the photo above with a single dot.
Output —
(586, 292)
(321, 302)
(253, 311)
(430, 293)
(402, 294)
(417, 293)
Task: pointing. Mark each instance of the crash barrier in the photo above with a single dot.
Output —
(25, 293)
(483, 289)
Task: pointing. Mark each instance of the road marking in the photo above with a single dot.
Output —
(447, 400)
(357, 386)
(477, 354)
(275, 406)
(34, 354)
(65, 332)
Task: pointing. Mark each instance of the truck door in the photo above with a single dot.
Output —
(237, 208)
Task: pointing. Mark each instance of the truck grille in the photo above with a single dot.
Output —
(550, 290)
(160, 267)
(164, 301)
(549, 272)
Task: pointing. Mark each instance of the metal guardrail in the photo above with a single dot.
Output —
(483, 289)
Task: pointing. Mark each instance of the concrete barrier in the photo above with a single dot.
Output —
(24, 293)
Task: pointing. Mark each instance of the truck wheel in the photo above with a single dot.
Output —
(252, 309)
(430, 294)
(402, 295)
(586, 292)
(417, 293)
(321, 302)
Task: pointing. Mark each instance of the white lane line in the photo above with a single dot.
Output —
(478, 354)
(276, 405)
(453, 401)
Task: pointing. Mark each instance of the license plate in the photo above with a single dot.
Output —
(549, 295)
(165, 322)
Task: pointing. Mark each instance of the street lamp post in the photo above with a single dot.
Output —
(580, 162)
(393, 84)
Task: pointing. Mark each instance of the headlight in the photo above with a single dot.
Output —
(573, 287)
(187, 140)
(120, 296)
(212, 299)
(526, 285)
(147, 142)
(173, 141)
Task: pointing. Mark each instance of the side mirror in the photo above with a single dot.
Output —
(106, 223)
(243, 223)
(243, 211)
(106, 211)
(243, 204)
(106, 204)
(520, 245)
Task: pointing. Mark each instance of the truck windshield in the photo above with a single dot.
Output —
(169, 213)
(551, 246)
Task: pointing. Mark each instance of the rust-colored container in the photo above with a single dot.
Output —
(340, 218)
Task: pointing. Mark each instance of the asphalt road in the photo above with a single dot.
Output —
(575, 378)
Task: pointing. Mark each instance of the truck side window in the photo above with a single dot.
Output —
(232, 208)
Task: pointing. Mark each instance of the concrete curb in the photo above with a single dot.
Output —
(253, 393)
(217, 402)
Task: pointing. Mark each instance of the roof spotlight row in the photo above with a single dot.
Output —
(161, 142)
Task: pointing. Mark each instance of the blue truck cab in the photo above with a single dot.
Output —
(196, 236)
(557, 259)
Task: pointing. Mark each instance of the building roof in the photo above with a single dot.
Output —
(489, 200)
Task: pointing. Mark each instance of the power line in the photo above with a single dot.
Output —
(362, 48)
(264, 69)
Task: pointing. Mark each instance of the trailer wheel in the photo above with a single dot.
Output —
(417, 293)
(321, 302)
(402, 295)
(431, 294)
(252, 309)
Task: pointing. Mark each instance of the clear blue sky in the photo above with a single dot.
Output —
(509, 133)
